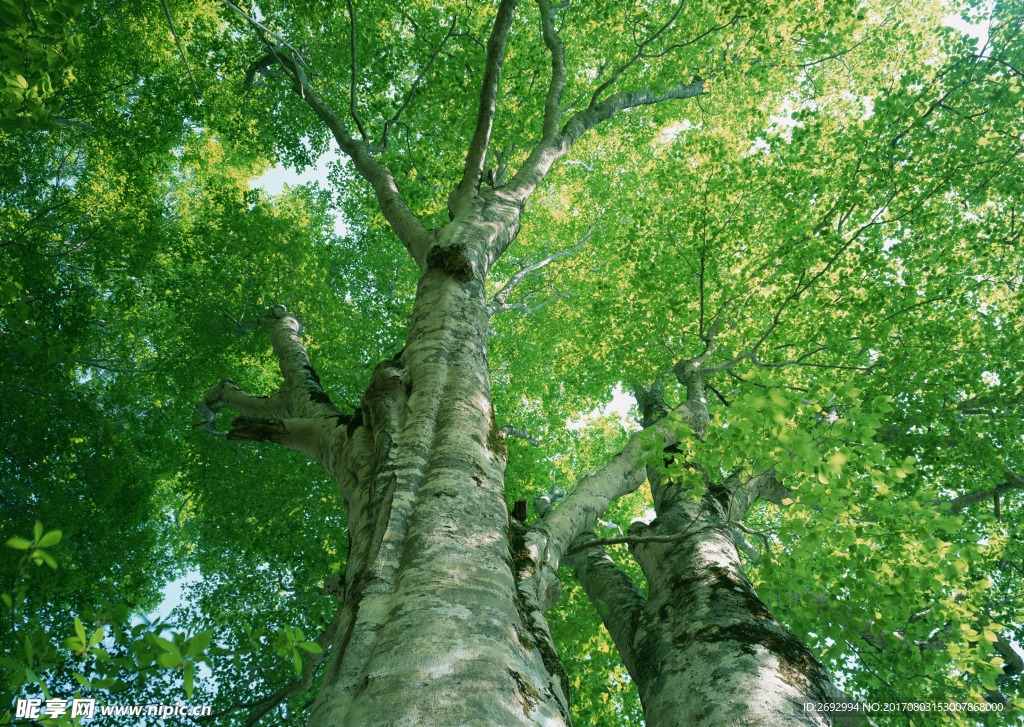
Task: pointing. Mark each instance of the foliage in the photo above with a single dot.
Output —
(38, 49)
(843, 204)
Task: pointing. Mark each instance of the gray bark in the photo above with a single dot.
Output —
(702, 648)
(434, 627)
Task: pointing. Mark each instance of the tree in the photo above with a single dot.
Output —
(801, 259)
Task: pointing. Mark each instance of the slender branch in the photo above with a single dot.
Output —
(523, 308)
(617, 73)
(260, 26)
(181, 50)
(682, 535)
(477, 154)
(415, 84)
(113, 369)
(403, 221)
(302, 684)
(71, 122)
(355, 62)
(497, 304)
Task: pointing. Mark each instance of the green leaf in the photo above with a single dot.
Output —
(19, 543)
(97, 637)
(167, 646)
(168, 659)
(49, 539)
(198, 643)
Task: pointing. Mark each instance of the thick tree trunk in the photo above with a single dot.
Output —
(702, 648)
(434, 633)
(432, 629)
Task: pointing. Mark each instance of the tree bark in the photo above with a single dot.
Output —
(703, 649)
(434, 631)
(433, 627)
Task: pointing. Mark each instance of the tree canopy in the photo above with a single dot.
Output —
(789, 232)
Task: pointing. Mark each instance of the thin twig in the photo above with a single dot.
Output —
(181, 50)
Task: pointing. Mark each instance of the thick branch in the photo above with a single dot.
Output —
(592, 495)
(959, 504)
(613, 593)
(554, 43)
(291, 416)
(297, 434)
(225, 393)
(406, 225)
(509, 431)
(549, 151)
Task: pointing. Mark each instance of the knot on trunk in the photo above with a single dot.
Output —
(453, 260)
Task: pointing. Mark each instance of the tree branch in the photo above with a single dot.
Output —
(181, 50)
(959, 504)
(300, 396)
(549, 151)
(508, 430)
(355, 78)
(614, 594)
(674, 537)
(556, 87)
(523, 308)
(497, 304)
(415, 84)
(617, 73)
(477, 153)
(406, 225)
(300, 685)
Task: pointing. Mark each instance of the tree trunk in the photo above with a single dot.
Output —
(702, 648)
(432, 627)
(434, 633)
